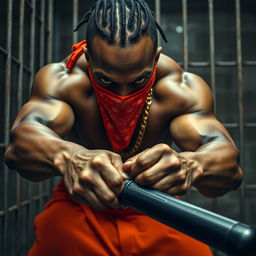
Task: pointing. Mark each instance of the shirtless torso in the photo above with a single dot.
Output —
(175, 93)
(63, 105)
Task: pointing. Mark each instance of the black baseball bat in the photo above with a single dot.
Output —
(227, 235)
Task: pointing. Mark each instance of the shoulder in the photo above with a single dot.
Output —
(55, 80)
(181, 92)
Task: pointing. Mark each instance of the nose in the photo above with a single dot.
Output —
(124, 90)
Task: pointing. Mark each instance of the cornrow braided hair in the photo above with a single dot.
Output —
(126, 20)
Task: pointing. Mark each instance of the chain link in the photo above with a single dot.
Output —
(142, 129)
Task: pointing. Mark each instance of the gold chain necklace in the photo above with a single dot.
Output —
(142, 129)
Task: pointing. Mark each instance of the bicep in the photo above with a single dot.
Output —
(55, 114)
(191, 131)
(198, 125)
(44, 108)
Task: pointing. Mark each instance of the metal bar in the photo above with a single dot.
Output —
(236, 125)
(226, 63)
(158, 16)
(15, 60)
(212, 69)
(29, 4)
(38, 17)
(231, 125)
(199, 64)
(42, 33)
(3, 51)
(240, 102)
(32, 41)
(212, 50)
(249, 63)
(26, 69)
(218, 63)
(250, 125)
(213, 79)
(75, 20)
(50, 27)
(7, 116)
(185, 33)
(24, 203)
(27, 202)
(250, 186)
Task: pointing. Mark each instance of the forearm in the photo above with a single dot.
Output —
(222, 173)
(36, 151)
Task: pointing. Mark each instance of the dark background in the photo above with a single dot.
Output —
(215, 39)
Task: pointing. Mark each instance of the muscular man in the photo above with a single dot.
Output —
(108, 112)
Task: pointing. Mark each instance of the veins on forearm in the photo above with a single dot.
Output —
(220, 162)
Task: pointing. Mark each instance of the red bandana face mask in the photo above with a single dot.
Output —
(120, 114)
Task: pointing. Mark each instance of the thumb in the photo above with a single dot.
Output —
(127, 165)
(130, 162)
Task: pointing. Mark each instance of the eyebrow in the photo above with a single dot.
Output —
(102, 75)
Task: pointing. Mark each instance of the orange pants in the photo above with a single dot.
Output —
(66, 228)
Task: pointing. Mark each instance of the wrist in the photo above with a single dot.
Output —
(196, 166)
(64, 155)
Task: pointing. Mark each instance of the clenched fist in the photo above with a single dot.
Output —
(162, 168)
(94, 177)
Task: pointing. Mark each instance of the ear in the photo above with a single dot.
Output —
(85, 50)
(158, 52)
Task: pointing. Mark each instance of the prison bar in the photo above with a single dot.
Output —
(21, 67)
(29, 70)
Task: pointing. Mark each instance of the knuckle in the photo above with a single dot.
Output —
(117, 157)
(181, 176)
(72, 193)
(146, 177)
(184, 188)
(97, 162)
(117, 182)
(165, 148)
(109, 198)
(141, 162)
(85, 177)
(76, 189)
(175, 162)
(193, 164)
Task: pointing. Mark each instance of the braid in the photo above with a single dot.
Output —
(83, 20)
(103, 16)
(113, 21)
(131, 18)
(136, 34)
(122, 21)
(144, 7)
(96, 20)
(161, 31)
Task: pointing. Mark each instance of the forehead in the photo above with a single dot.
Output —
(113, 58)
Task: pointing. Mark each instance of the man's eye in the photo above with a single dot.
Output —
(140, 81)
(105, 81)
